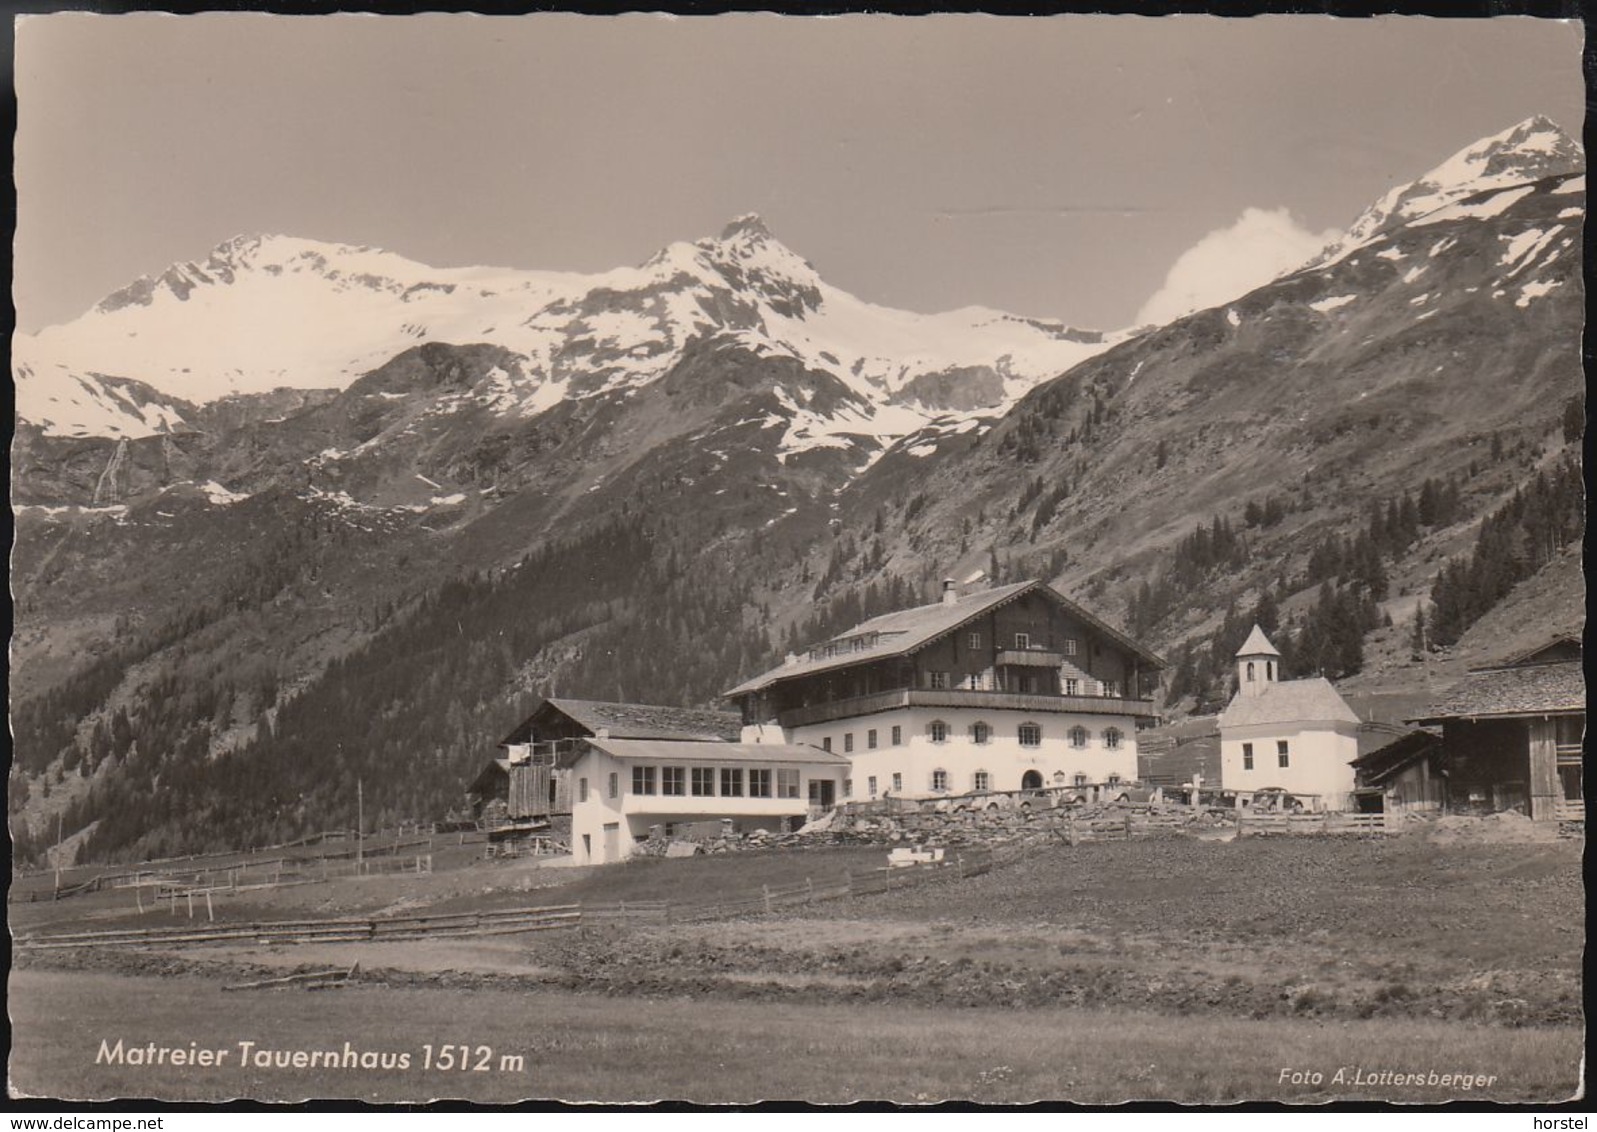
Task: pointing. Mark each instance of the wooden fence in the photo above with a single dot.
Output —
(1252, 823)
(437, 926)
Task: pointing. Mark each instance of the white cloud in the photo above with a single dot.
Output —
(1230, 262)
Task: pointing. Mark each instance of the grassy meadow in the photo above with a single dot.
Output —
(594, 1048)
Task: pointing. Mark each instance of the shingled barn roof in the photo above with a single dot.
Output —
(1540, 689)
(637, 721)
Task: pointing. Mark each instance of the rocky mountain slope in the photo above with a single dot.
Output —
(228, 609)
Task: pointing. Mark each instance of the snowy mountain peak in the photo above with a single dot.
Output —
(1533, 149)
(749, 224)
(1528, 151)
(263, 312)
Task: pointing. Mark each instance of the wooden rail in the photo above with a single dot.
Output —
(438, 926)
(1250, 823)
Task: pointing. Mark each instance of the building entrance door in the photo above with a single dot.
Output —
(612, 842)
(823, 793)
(1031, 780)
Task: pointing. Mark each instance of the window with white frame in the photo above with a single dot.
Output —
(582, 789)
(674, 780)
(937, 730)
(826, 744)
(702, 781)
(1030, 735)
(937, 680)
(898, 782)
(643, 780)
(1023, 640)
(1283, 757)
(1070, 646)
(848, 742)
(981, 780)
(1111, 738)
(1114, 780)
(870, 786)
(898, 735)
(615, 784)
(980, 733)
(787, 783)
(870, 739)
(1072, 686)
(731, 782)
(1247, 756)
(940, 780)
(973, 641)
(848, 787)
(1080, 779)
(759, 782)
(1078, 737)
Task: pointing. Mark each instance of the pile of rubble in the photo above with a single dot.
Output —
(951, 829)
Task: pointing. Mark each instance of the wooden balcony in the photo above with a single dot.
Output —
(959, 698)
(1029, 658)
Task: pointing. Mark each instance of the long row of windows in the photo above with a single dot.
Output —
(973, 641)
(938, 731)
(702, 782)
(1028, 734)
(939, 782)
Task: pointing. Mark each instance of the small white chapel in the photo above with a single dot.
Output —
(1294, 735)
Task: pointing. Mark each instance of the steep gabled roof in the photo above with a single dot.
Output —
(1538, 689)
(908, 630)
(1291, 701)
(636, 721)
(1258, 644)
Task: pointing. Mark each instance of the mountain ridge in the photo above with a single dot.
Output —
(369, 582)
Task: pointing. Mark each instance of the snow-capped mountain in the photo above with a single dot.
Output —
(267, 312)
(1533, 149)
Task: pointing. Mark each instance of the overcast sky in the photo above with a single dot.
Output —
(1054, 167)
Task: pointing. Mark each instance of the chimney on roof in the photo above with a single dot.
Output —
(950, 591)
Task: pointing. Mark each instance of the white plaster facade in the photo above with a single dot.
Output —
(1319, 760)
(897, 753)
(613, 807)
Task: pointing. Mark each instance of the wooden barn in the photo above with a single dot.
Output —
(1513, 735)
(1404, 774)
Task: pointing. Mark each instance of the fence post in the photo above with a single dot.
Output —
(809, 886)
(767, 890)
(848, 883)
(210, 913)
(959, 865)
(1128, 827)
